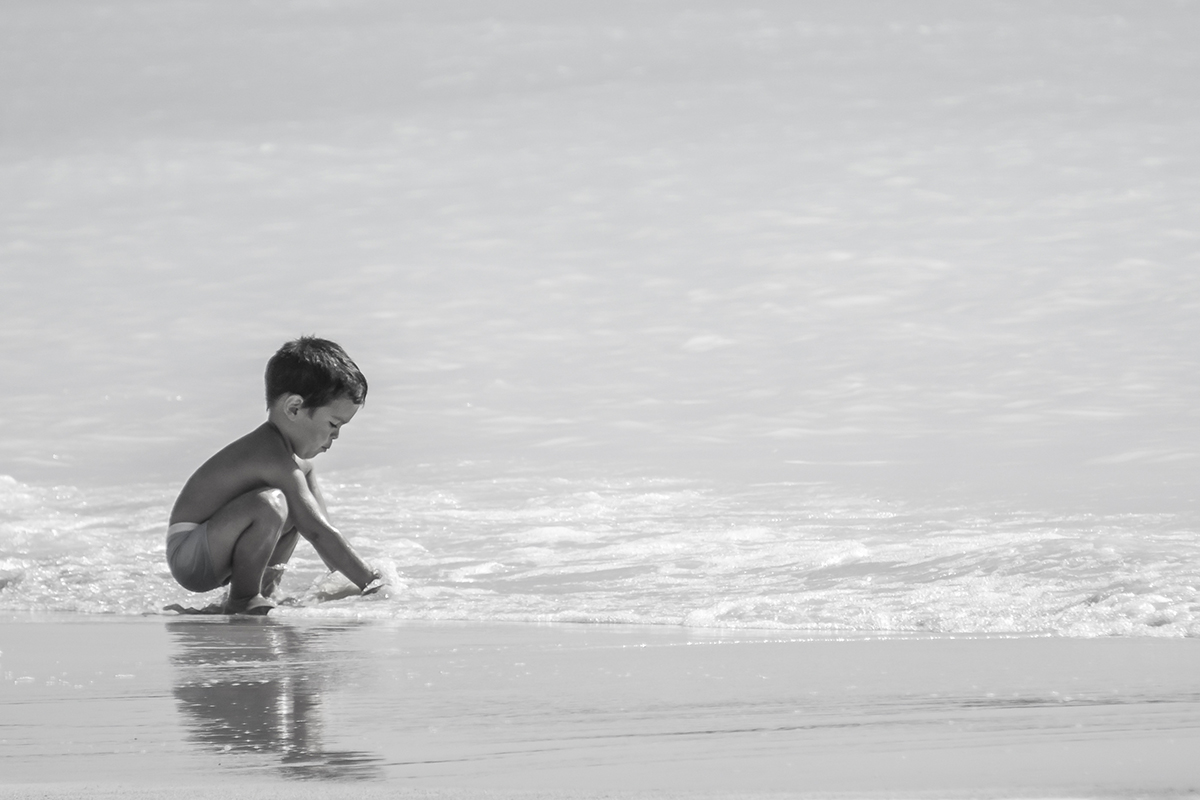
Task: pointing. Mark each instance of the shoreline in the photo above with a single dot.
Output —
(346, 616)
(108, 705)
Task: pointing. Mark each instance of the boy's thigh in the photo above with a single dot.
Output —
(263, 510)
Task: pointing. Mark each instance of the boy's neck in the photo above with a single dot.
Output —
(276, 421)
(273, 425)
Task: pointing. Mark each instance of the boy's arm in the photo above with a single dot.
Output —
(308, 514)
(310, 476)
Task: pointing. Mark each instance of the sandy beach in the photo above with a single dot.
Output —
(100, 707)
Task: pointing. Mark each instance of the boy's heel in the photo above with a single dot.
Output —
(257, 606)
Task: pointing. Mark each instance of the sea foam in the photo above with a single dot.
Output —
(643, 551)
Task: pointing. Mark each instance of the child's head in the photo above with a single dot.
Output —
(316, 369)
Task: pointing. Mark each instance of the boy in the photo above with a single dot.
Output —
(237, 518)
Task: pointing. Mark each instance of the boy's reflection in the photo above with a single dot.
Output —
(252, 687)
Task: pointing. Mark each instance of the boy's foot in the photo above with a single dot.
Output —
(257, 605)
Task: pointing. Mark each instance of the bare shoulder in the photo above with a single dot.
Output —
(261, 450)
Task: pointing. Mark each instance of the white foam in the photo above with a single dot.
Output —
(634, 551)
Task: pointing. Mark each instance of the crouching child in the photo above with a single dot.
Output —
(238, 517)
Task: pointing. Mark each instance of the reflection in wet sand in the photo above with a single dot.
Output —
(253, 688)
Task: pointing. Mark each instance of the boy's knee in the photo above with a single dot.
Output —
(274, 503)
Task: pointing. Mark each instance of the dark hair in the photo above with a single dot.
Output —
(316, 369)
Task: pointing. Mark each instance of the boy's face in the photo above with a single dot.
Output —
(318, 427)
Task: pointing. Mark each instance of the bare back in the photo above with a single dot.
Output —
(258, 460)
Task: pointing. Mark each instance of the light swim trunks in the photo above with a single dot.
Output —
(190, 559)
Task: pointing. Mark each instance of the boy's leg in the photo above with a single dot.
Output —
(277, 564)
(278, 561)
(242, 538)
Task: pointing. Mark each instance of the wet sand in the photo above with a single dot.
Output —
(98, 707)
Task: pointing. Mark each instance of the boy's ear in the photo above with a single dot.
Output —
(292, 405)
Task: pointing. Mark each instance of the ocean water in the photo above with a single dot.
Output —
(645, 551)
(863, 317)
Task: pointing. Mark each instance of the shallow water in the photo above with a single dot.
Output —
(867, 317)
(646, 551)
